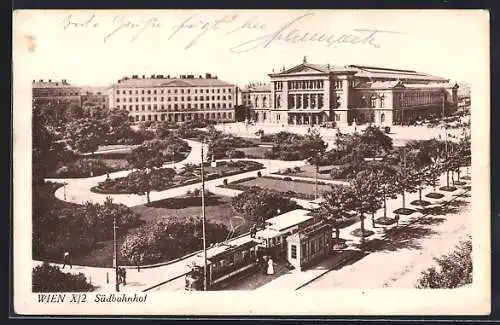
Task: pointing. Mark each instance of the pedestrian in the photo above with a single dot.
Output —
(67, 260)
(270, 267)
(397, 219)
(253, 231)
(124, 275)
(264, 264)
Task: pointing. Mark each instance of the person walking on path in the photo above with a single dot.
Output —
(270, 267)
(67, 260)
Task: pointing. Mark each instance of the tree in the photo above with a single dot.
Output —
(453, 270)
(406, 181)
(47, 278)
(85, 135)
(118, 129)
(335, 202)
(262, 204)
(367, 198)
(314, 150)
(140, 248)
(146, 180)
(170, 238)
(155, 153)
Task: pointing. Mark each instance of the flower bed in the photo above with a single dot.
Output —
(448, 188)
(357, 232)
(120, 185)
(421, 203)
(467, 178)
(435, 195)
(404, 211)
(460, 183)
(338, 243)
(385, 221)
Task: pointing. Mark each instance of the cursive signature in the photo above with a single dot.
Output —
(290, 34)
(204, 26)
(70, 22)
(125, 23)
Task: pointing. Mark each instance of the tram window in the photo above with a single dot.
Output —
(294, 251)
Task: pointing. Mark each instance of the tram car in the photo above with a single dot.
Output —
(224, 262)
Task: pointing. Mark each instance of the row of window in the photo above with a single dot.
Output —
(306, 84)
(59, 93)
(150, 107)
(174, 99)
(182, 117)
(306, 101)
(315, 245)
(174, 91)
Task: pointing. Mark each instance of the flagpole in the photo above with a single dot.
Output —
(203, 219)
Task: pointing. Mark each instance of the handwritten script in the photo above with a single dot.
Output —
(193, 29)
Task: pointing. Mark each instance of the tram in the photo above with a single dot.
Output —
(224, 262)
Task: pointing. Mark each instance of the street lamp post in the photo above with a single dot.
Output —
(203, 220)
(115, 245)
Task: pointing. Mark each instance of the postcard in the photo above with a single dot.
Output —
(251, 162)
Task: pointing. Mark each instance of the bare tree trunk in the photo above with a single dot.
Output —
(147, 197)
(337, 233)
(420, 194)
(404, 200)
(373, 219)
(138, 267)
(447, 178)
(458, 172)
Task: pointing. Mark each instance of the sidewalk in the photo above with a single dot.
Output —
(297, 279)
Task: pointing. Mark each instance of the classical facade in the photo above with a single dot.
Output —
(174, 99)
(56, 92)
(313, 94)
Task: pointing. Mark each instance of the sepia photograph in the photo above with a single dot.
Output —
(251, 162)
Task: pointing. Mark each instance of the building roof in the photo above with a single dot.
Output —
(309, 231)
(257, 88)
(288, 219)
(161, 81)
(94, 90)
(223, 248)
(51, 84)
(267, 233)
(361, 71)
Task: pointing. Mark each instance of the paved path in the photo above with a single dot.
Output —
(170, 277)
(77, 190)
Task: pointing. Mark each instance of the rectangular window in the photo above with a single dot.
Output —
(293, 251)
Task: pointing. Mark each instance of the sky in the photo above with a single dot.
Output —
(96, 48)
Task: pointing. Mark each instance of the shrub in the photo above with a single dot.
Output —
(47, 278)
(287, 178)
(453, 271)
(387, 129)
(288, 170)
(297, 169)
(196, 192)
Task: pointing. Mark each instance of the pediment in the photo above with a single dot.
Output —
(302, 69)
(176, 83)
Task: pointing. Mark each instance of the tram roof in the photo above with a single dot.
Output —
(289, 219)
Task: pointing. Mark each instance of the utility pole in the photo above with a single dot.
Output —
(203, 220)
(115, 244)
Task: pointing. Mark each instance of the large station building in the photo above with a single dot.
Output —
(313, 94)
(174, 99)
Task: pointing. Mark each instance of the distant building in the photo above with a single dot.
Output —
(174, 99)
(56, 92)
(316, 93)
(256, 97)
(94, 99)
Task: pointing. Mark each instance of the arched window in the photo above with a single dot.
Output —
(382, 101)
(373, 101)
(264, 101)
(382, 118)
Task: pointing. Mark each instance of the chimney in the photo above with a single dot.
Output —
(50, 80)
(33, 80)
(208, 75)
(143, 76)
(200, 76)
(152, 76)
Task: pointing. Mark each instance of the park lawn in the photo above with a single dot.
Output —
(255, 152)
(217, 209)
(310, 170)
(116, 164)
(284, 186)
